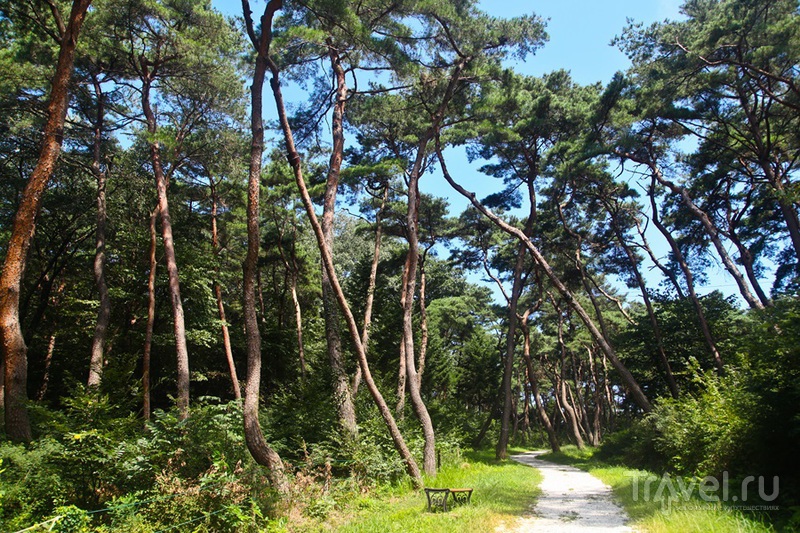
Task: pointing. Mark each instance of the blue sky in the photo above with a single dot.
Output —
(580, 32)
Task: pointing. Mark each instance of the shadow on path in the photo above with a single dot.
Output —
(571, 501)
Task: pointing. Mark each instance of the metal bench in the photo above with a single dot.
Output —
(437, 498)
(461, 496)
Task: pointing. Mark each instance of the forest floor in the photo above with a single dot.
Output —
(504, 491)
(570, 500)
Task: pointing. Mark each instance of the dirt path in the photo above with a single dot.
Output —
(571, 501)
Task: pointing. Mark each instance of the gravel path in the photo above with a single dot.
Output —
(571, 501)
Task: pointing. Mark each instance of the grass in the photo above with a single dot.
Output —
(655, 516)
(503, 490)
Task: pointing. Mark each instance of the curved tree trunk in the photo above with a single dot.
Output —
(669, 274)
(327, 258)
(533, 378)
(572, 417)
(410, 268)
(632, 259)
(17, 423)
(410, 282)
(630, 382)
(254, 437)
(687, 272)
(414, 380)
(713, 234)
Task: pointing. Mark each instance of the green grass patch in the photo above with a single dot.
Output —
(653, 514)
(503, 491)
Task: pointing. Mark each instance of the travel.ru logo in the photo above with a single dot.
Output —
(670, 490)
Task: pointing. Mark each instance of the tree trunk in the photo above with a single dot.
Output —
(632, 259)
(494, 412)
(609, 398)
(572, 418)
(298, 310)
(511, 342)
(766, 158)
(373, 276)
(298, 325)
(410, 282)
(48, 362)
(226, 338)
(54, 319)
(746, 259)
(713, 234)
(598, 400)
(790, 216)
(526, 405)
(400, 409)
(687, 272)
(625, 374)
(327, 258)
(260, 294)
(552, 437)
(745, 256)
(669, 274)
(533, 378)
(410, 270)
(423, 316)
(3, 387)
(17, 423)
(580, 412)
(179, 327)
(341, 386)
(151, 317)
(97, 360)
(261, 451)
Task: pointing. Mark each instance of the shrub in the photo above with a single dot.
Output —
(708, 432)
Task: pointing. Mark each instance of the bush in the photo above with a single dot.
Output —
(711, 431)
(30, 483)
(195, 470)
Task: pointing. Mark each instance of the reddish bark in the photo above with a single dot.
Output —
(261, 451)
(162, 184)
(17, 423)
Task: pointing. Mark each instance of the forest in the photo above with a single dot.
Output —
(222, 310)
